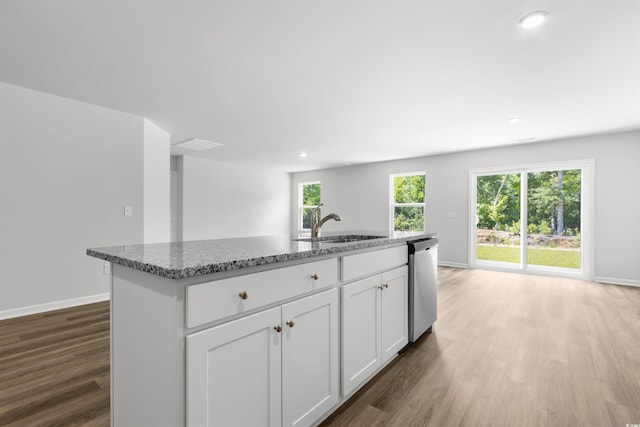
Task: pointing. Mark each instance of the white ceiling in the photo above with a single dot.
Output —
(345, 81)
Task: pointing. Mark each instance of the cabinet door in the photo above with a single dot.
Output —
(394, 315)
(360, 332)
(234, 373)
(310, 358)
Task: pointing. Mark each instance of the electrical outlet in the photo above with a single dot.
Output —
(106, 268)
(128, 211)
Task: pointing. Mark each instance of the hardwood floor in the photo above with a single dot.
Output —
(508, 350)
(513, 350)
(54, 368)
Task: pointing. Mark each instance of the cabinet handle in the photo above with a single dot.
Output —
(380, 287)
(385, 286)
(315, 276)
(278, 328)
(290, 323)
(243, 295)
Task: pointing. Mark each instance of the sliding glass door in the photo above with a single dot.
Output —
(531, 219)
(498, 218)
(553, 218)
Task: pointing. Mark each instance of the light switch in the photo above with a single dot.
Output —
(128, 210)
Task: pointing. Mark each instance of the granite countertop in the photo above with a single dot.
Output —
(195, 258)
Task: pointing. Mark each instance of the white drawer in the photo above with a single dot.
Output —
(366, 263)
(211, 301)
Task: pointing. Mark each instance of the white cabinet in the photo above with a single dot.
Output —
(368, 263)
(233, 373)
(310, 358)
(360, 332)
(263, 346)
(394, 317)
(215, 300)
(374, 325)
(276, 367)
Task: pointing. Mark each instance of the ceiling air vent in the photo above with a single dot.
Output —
(197, 144)
(526, 139)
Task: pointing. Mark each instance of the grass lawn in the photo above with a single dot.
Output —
(548, 257)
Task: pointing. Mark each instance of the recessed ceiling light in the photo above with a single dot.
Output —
(302, 155)
(514, 120)
(197, 144)
(533, 19)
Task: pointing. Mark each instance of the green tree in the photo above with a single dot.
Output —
(409, 189)
(571, 195)
(498, 204)
(554, 200)
(311, 194)
(310, 197)
(543, 199)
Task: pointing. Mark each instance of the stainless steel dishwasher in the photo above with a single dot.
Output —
(423, 286)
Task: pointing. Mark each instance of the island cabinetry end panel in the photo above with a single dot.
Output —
(147, 350)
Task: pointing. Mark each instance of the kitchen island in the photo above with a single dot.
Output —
(270, 330)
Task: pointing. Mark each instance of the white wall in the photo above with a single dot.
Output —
(360, 195)
(67, 169)
(221, 200)
(157, 218)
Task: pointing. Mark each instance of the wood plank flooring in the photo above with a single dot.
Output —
(508, 350)
(54, 368)
(513, 350)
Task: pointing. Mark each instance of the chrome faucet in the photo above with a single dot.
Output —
(315, 224)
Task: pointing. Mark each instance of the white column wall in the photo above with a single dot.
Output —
(157, 218)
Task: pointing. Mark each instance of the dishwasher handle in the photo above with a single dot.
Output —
(421, 245)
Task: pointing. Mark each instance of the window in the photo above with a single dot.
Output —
(407, 204)
(533, 218)
(308, 200)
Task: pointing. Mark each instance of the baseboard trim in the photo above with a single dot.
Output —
(616, 281)
(50, 306)
(452, 264)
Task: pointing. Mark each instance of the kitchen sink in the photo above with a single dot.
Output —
(349, 238)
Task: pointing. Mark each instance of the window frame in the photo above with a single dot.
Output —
(301, 207)
(393, 204)
(587, 231)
